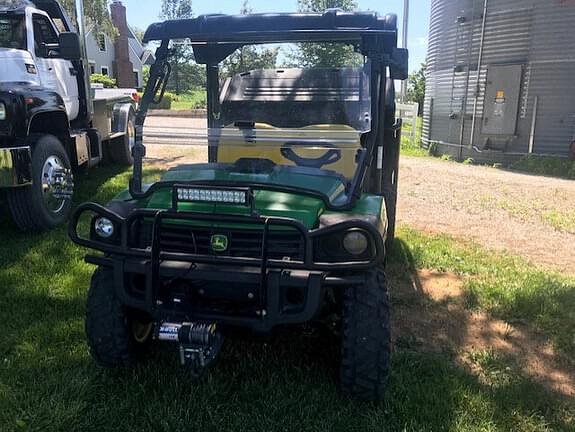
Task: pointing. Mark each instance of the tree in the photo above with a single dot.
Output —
(416, 87)
(249, 57)
(139, 33)
(325, 54)
(96, 14)
(182, 53)
(190, 76)
(176, 9)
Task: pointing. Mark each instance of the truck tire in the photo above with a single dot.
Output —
(365, 338)
(34, 208)
(121, 148)
(111, 327)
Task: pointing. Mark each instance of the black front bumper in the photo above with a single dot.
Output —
(271, 278)
(15, 166)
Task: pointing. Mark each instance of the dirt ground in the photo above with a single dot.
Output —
(529, 216)
(429, 315)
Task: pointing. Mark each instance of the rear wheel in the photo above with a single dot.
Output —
(121, 148)
(365, 338)
(117, 335)
(47, 202)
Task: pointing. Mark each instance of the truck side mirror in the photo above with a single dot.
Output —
(70, 46)
(399, 69)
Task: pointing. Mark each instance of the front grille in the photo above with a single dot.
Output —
(242, 243)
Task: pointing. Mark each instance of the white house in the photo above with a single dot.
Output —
(122, 58)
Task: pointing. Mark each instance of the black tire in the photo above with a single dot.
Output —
(365, 338)
(28, 206)
(121, 148)
(109, 325)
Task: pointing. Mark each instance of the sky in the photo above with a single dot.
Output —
(141, 13)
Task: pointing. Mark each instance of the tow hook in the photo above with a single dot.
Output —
(198, 343)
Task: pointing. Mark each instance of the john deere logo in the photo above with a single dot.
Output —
(219, 243)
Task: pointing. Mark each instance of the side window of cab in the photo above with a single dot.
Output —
(45, 37)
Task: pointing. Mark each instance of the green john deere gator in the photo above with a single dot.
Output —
(281, 217)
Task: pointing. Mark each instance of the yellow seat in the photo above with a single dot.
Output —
(265, 141)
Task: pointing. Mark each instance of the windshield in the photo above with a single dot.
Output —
(283, 116)
(12, 31)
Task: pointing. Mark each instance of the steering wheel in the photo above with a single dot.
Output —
(330, 157)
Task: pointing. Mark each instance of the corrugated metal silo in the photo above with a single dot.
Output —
(502, 72)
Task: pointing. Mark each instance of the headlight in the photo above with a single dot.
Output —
(355, 242)
(104, 227)
(228, 196)
(2, 111)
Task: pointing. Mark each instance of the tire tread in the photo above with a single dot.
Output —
(365, 338)
(106, 323)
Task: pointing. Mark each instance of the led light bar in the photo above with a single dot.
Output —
(212, 195)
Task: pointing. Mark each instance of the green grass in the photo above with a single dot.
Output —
(193, 100)
(560, 220)
(548, 166)
(49, 383)
(507, 286)
(413, 148)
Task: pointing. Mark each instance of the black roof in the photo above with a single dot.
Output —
(333, 25)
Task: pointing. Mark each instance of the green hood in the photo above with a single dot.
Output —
(304, 208)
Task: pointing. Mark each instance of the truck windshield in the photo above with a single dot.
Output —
(287, 115)
(12, 31)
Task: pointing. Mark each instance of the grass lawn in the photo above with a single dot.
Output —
(49, 383)
(193, 100)
(409, 147)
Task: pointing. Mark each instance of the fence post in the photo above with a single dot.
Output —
(408, 113)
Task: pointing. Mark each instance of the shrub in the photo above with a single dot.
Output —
(200, 101)
(545, 165)
(108, 81)
(165, 103)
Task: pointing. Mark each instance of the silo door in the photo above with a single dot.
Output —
(502, 94)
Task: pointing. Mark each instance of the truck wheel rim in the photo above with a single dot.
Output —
(52, 165)
(141, 331)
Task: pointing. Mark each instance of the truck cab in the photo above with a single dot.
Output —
(29, 54)
(50, 126)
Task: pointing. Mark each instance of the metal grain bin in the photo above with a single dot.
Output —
(500, 79)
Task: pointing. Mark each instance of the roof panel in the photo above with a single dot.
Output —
(263, 28)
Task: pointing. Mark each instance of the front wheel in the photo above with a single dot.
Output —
(117, 335)
(365, 338)
(47, 202)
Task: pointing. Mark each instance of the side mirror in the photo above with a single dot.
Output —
(70, 48)
(399, 69)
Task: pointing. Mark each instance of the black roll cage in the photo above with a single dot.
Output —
(214, 37)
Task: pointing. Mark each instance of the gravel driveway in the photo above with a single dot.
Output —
(529, 216)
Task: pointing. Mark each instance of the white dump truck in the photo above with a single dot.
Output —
(51, 125)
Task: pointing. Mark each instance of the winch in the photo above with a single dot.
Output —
(199, 343)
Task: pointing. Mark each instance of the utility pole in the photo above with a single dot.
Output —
(404, 44)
